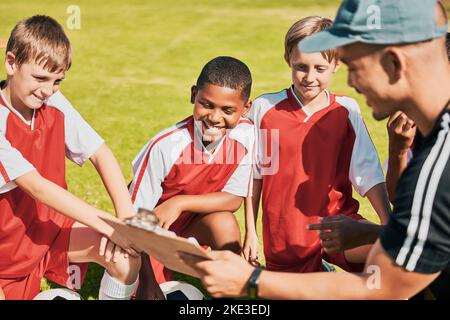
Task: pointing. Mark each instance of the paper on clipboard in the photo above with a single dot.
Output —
(160, 245)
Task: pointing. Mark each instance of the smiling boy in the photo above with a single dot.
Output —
(43, 228)
(322, 149)
(194, 175)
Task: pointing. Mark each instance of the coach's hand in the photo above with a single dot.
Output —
(339, 233)
(168, 212)
(401, 131)
(225, 275)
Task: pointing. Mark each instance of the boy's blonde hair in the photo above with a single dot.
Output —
(41, 39)
(304, 28)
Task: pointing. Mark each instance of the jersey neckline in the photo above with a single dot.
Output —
(5, 102)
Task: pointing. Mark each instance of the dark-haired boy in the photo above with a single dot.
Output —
(195, 174)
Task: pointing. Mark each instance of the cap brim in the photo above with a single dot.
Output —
(325, 40)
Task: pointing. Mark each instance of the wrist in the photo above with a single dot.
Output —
(250, 231)
(399, 151)
(371, 232)
(181, 203)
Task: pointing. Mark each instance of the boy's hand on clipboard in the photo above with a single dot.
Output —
(167, 213)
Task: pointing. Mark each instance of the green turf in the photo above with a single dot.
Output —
(135, 61)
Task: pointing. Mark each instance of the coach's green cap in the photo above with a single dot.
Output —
(378, 22)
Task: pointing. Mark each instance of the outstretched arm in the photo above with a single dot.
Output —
(112, 177)
(227, 275)
(171, 209)
(340, 233)
(67, 204)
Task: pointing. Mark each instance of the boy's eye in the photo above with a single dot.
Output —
(228, 111)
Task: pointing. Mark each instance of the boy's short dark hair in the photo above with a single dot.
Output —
(40, 39)
(227, 72)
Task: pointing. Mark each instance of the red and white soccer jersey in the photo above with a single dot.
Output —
(308, 163)
(29, 229)
(175, 162)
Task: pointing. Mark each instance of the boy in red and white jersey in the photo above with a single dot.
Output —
(39, 128)
(313, 146)
(194, 175)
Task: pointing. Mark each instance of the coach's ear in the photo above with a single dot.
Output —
(193, 93)
(10, 63)
(393, 63)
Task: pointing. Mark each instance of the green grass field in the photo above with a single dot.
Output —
(134, 63)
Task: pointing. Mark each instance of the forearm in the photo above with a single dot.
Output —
(63, 201)
(383, 279)
(208, 203)
(379, 200)
(250, 219)
(256, 198)
(313, 286)
(397, 163)
(113, 180)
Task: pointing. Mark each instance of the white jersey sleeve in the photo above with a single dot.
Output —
(12, 165)
(241, 181)
(365, 169)
(265, 164)
(146, 189)
(152, 165)
(81, 139)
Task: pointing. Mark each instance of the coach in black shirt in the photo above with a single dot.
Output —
(396, 57)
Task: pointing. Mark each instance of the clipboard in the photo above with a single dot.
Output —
(157, 242)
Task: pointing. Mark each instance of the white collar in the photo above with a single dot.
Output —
(17, 113)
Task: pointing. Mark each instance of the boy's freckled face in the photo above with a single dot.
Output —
(31, 84)
(311, 73)
(217, 109)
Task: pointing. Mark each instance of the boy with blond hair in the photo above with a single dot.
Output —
(313, 145)
(43, 228)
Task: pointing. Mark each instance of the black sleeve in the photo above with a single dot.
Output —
(417, 236)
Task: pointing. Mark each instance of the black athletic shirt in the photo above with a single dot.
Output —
(417, 236)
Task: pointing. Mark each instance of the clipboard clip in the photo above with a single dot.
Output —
(144, 219)
(147, 220)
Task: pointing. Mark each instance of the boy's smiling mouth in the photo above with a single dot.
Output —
(212, 133)
(38, 98)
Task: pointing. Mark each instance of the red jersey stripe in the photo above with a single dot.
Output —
(147, 156)
(4, 173)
